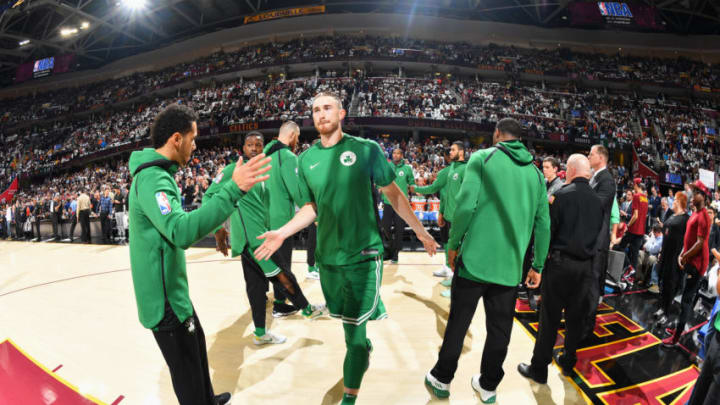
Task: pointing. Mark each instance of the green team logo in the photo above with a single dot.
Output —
(455, 176)
(348, 158)
(401, 174)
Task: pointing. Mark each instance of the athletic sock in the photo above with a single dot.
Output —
(278, 302)
(259, 332)
(348, 399)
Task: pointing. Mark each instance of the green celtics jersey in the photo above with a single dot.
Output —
(403, 177)
(340, 180)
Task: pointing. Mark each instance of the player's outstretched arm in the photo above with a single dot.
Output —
(401, 205)
(275, 239)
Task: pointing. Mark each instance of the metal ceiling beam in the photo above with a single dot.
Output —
(46, 43)
(558, 10)
(13, 52)
(59, 5)
(184, 15)
(696, 14)
(253, 8)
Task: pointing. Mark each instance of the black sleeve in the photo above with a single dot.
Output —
(555, 214)
(606, 191)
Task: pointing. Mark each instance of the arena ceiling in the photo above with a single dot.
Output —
(99, 31)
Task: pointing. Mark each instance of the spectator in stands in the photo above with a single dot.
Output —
(626, 206)
(694, 259)
(105, 213)
(119, 200)
(665, 211)
(637, 223)
(673, 236)
(653, 206)
(648, 255)
(84, 208)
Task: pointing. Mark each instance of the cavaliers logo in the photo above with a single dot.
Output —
(348, 158)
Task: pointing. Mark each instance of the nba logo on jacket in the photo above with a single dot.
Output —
(163, 203)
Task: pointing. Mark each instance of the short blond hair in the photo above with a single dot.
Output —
(331, 95)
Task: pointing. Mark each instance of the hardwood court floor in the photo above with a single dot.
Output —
(73, 305)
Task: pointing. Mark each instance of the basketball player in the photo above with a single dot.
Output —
(337, 176)
(160, 231)
(447, 183)
(283, 190)
(403, 177)
(248, 221)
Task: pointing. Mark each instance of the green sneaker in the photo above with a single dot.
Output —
(445, 293)
(315, 311)
(447, 282)
(440, 390)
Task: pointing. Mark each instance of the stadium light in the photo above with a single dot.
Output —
(134, 4)
(85, 25)
(66, 32)
(24, 42)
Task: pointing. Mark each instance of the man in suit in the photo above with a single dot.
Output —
(603, 184)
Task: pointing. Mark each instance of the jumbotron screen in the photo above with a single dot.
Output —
(615, 15)
(43, 67)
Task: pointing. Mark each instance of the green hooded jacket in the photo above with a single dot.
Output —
(502, 200)
(447, 183)
(248, 219)
(160, 231)
(404, 176)
(283, 188)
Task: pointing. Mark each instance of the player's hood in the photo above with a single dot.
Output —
(516, 151)
(148, 157)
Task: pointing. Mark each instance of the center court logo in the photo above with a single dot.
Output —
(348, 158)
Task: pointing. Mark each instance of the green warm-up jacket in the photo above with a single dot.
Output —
(502, 200)
(404, 176)
(160, 231)
(282, 188)
(248, 219)
(448, 183)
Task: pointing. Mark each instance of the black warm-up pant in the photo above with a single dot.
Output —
(707, 386)
(393, 226)
(185, 353)
(311, 243)
(499, 302)
(85, 226)
(257, 284)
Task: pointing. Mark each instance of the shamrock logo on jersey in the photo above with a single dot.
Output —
(348, 158)
(455, 176)
(401, 174)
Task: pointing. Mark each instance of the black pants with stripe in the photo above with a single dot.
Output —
(257, 286)
(185, 352)
(393, 227)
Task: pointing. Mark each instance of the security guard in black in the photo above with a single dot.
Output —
(576, 217)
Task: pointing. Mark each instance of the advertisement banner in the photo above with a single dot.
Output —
(290, 12)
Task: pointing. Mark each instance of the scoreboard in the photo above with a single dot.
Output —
(610, 14)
